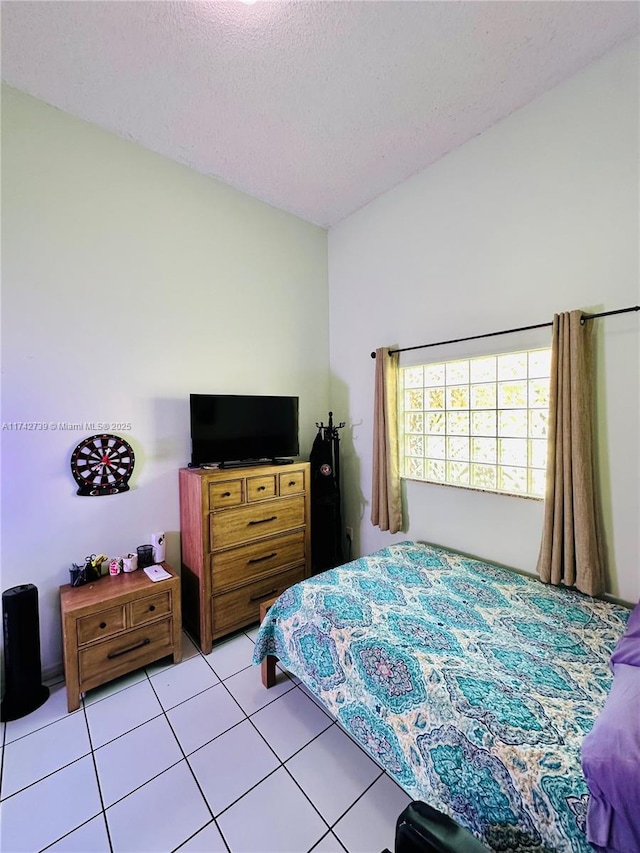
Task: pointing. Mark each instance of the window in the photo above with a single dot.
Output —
(479, 423)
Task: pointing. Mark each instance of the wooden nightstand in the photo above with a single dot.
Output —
(115, 625)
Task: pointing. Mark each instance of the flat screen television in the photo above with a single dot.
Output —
(230, 428)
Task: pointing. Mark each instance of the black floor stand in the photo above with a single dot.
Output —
(23, 673)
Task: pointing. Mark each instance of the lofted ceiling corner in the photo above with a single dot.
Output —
(315, 107)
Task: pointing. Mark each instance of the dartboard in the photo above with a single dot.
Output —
(102, 465)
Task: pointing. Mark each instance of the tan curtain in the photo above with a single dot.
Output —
(570, 551)
(386, 500)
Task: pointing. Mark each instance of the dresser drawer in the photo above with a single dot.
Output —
(106, 660)
(227, 493)
(259, 488)
(101, 624)
(255, 522)
(291, 484)
(250, 562)
(242, 606)
(149, 608)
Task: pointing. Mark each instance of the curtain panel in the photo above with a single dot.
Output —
(386, 497)
(570, 551)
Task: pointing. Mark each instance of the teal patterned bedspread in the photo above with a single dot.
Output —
(471, 685)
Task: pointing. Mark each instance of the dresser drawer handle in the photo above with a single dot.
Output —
(261, 488)
(226, 494)
(261, 559)
(292, 482)
(103, 624)
(263, 520)
(264, 595)
(139, 645)
(152, 607)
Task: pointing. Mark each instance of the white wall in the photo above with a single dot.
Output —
(130, 281)
(537, 215)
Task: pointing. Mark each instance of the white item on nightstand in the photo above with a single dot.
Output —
(159, 547)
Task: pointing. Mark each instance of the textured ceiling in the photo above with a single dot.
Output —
(315, 107)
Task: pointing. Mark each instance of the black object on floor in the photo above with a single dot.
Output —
(22, 667)
(423, 829)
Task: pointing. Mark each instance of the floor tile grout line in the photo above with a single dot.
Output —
(320, 840)
(94, 750)
(368, 788)
(195, 778)
(112, 693)
(357, 800)
(75, 828)
(128, 731)
(336, 721)
(46, 776)
(101, 812)
(310, 801)
(4, 735)
(246, 717)
(95, 770)
(157, 775)
(188, 699)
(198, 831)
(41, 728)
(282, 763)
(248, 791)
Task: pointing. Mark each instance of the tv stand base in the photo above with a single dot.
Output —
(250, 463)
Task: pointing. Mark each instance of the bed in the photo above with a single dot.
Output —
(471, 685)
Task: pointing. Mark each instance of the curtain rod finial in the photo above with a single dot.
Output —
(373, 354)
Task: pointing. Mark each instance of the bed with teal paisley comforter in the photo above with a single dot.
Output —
(473, 686)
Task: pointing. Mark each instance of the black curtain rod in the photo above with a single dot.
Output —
(584, 318)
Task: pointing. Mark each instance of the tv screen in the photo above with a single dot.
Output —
(229, 428)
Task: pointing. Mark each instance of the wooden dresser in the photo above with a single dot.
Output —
(115, 625)
(245, 538)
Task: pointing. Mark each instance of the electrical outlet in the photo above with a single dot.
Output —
(349, 533)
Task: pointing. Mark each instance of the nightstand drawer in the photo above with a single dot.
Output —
(149, 608)
(227, 493)
(100, 625)
(115, 625)
(256, 521)
(242, 606)
(103, 661)
(291, 484)
(259, 488)
(250, 562)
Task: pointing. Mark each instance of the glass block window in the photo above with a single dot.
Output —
(480, 423)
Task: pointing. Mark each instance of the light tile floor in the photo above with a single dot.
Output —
(196, 756)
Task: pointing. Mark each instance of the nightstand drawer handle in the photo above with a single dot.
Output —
(263, 520)
(139, 645)
(226, 494)
(103, 624)
(261, 559)
(152, 607)
(261, 488)
(292, 483)
(264, 595)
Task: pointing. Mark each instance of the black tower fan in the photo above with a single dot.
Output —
(326, 514)
(22, 668)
